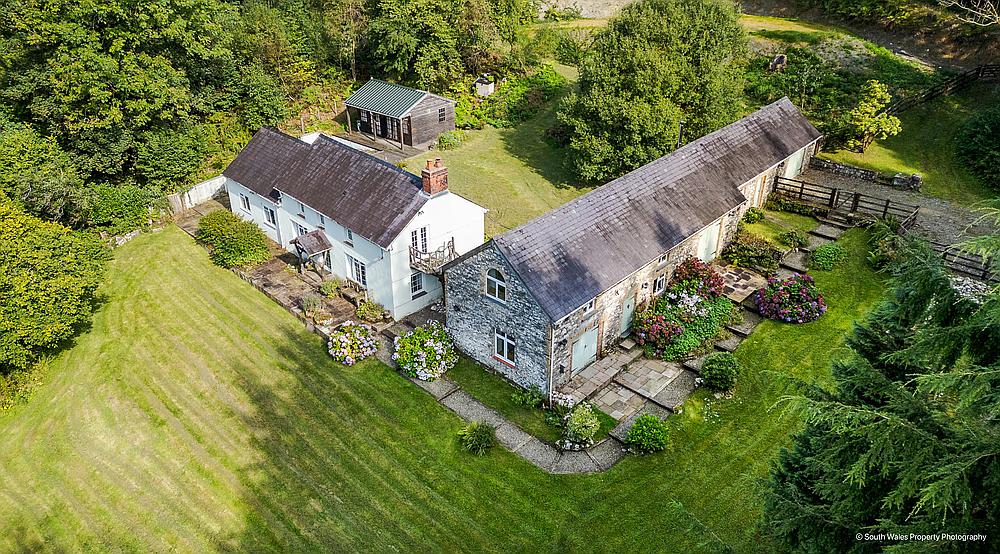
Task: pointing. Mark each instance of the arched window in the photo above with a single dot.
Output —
(496, 285)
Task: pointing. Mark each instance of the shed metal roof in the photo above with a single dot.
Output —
(385, 98)
(573, 253)
(372, 198)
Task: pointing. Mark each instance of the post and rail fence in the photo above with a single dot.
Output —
(854, 208)
(986, 72)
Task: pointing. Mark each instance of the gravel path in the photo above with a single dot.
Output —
(937, 220)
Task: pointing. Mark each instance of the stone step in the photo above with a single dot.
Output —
(829, 229)
(750, 321)
(674, 394)
(815, 241)
(694, 364)
(797, 260)
(729, 344)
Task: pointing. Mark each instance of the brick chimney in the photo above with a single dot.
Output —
(435, 177)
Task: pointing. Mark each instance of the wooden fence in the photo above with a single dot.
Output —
(964, 263)
(988, 72)
(850, 205)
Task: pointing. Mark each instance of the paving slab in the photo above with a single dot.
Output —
(677, 391)
(628, 344)
(617, 401)
(648, 377)
(729, 344)
(574, 462)
(511, 436)
(797, 260)
(606, 453)
(538, 453)
(750, 320)
(694, 364)
(750, 303)
(470, 409)
(827, 231)
(439, 388)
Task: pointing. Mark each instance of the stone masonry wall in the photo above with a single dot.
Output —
(472, 317)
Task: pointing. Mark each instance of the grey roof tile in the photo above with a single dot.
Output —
(370, 197)
(574, 252)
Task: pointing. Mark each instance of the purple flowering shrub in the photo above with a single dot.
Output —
(696, 277)
(795, 299)
(352, 342)
(654, 331)
(426, 352)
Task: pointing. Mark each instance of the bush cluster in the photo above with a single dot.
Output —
(581, 425)
(648, 434)
(753, 215)
(234, 242)
(779, 203)
(884, 243)
(793, 238)
(330, 288)
(697, 277)
(719, 371)
(531, 397)
(515, 100)
(679, 323)
(450, 140)
(750, 250)
(654, 331)
(477, 437)
(426, 352)
(370, 310)
(352, 342)
(828, 256)
(977, 145)
(795, 299)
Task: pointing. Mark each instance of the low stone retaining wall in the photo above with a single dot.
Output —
(899, 180)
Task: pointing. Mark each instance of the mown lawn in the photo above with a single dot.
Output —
(926, 146)
(775, 223)
(516, 172)
(196, 415)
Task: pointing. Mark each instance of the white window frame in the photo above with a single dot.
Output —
(442, 115)
(270, 216)
(322, 219)
(418, 239)
(504, 347)
(357, 271)
(245, 202)
(589, 306)
(663, 258)
(364, 116)
(302, 209)
(299, 229)
(660, 284)
(499, 286)
(417, 285)
(350, 237)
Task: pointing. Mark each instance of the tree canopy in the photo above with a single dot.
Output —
(48, 279)
(908, 441)
(657, 63)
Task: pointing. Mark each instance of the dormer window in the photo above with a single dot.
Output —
(496, 285)
(589, 306)
(662, 260)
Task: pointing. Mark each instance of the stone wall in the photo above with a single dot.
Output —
(472, 317)
(608, 312)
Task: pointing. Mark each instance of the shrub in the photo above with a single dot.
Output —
(352, 342)
(311, 303)
(370, 311)
(654, 331)
(719, 371)
(701, 330)
(779, 203)
(581, 425)
(750, 250)
(519, 99)
(426, 352)
(795, 299)
(477, 437)
(531, 397)
(449, 140)
(330, 289)
(883, 244)
(234, 242)
(680, 322)
(793, 238)
(648, 434)
(828, 256)
(753, 215)
(977, 145)
(119, 209)
(695, 276)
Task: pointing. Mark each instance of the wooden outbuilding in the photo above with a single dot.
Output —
(399, 115)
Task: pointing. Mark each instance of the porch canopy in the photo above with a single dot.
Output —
(312, 243)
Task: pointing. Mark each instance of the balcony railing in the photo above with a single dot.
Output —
(432, 262)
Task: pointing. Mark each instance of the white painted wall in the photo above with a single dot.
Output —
(388, 271)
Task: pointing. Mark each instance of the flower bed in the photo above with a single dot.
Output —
(426, 352)
(352, 342)
(795, 299)
(690, 314)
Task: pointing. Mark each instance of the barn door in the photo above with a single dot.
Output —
(585, 350)
(708, 242)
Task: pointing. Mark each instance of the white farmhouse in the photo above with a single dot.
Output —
(364, 220)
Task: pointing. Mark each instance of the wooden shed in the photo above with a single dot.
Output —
(400, 115)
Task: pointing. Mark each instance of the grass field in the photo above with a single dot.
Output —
(926, 146)
(196, 415)
(775, 223)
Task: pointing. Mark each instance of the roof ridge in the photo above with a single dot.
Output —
(330, 140)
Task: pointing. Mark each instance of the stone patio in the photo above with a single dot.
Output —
(598, 374)
(740, 281)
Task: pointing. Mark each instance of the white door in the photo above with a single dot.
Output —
(794, 164)
(708, 242)
(628, 310)
(585, 350)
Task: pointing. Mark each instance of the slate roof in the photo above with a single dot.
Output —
(372, 198)
(573, 253)
(313, 242)
(385, 98)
